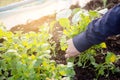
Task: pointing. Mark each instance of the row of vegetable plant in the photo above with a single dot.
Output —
(80, 20)
(28, 56)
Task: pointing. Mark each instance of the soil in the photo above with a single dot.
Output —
(113, 44)
(98, 4)
(88, 73)
(33, 25)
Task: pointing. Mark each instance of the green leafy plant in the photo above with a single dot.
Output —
(108, 65)
(87, 58)
(27, 57)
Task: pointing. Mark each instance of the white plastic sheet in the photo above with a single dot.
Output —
(23, 14)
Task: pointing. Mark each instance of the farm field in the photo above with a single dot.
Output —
(35, 50)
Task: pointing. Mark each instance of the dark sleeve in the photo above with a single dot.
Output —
(98, 30)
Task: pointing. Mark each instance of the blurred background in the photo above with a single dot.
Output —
(13, 12)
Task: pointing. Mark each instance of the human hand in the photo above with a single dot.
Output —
(71, 50)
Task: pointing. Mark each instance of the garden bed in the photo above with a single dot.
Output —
(88, 72)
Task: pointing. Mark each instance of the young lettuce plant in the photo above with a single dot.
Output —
(27, 57)
(104, 69)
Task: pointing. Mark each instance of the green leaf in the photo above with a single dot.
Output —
(110, 58)
(79, 64)
(93, 14)
(101, 71)
(75, 10)
(38, 63)
(64, 22)
(92, 60)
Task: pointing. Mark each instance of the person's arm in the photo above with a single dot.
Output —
(98, 30)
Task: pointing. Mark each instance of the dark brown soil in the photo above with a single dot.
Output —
(90, 73)
(98, 4)
(113, 44)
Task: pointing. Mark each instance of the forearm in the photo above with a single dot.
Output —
(99, 29)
